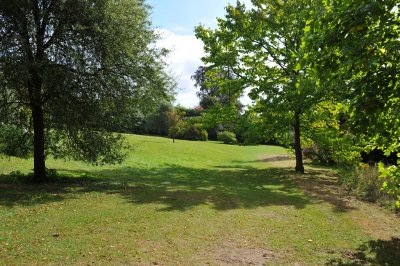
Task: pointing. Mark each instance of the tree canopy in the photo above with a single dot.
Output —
(69, 69)
(360, 44)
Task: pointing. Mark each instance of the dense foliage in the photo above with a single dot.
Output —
(190, 131)
(156, 123)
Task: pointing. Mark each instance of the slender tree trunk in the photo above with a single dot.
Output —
(297, 143)
(38, 144)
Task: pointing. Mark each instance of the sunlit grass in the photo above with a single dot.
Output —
(187, 203)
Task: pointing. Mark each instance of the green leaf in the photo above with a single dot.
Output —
(297, 67)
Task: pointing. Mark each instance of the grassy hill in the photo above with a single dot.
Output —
(190, 203)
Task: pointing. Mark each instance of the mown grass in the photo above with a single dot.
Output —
(188, 203)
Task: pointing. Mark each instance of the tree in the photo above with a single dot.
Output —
(74, 66)
(360, 40)
(157, 122)
(210, 93)
(264, 48)
(221, 117)
(173, 118)
(257, 126)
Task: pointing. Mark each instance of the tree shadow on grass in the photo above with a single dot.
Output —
(375, 252)
(182, 188)
(174, 187)
(319, 182)
(322, 183)
(17, 191)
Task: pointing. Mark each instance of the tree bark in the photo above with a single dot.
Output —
(297, 143)
(38, 144)
(35, 94)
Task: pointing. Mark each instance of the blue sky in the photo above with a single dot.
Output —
(179, 15)
(176, 20)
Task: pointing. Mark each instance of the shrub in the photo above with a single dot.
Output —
(310, 153)
(227, 137)
(193, 133)
(366, 182)
(333, 147)
(391, 181)
(188, 131)
(157, 122)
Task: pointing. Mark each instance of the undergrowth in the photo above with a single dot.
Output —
(365, 182)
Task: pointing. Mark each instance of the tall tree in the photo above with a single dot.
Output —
(75, 65)
(359, 51)
(264, 48)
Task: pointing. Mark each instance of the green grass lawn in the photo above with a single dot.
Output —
(190, 203)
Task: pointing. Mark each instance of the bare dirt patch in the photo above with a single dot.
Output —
(234, 255)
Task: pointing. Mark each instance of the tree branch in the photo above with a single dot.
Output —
(276, 60)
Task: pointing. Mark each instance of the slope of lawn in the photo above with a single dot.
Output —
(190, 203)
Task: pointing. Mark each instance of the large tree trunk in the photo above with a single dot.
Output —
(38, 144)
(35, 91)
(297, 143)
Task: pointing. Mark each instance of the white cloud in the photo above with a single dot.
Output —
(183, 60)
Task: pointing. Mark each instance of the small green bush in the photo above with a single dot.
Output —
(227, 137)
